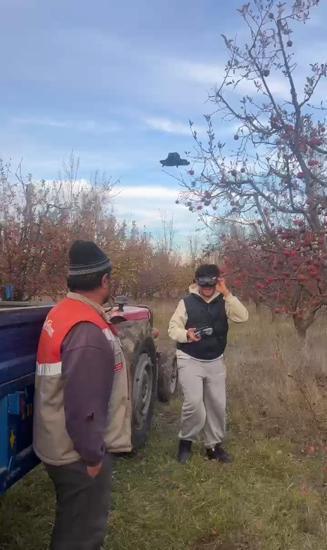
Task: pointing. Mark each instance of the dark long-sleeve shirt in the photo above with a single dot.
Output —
(88, 371)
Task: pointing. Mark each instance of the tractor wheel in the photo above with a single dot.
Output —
(167, 377)
(143, 398)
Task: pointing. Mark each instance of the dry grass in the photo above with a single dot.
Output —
(277, 383)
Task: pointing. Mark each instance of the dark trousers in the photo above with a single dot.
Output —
(82, 506)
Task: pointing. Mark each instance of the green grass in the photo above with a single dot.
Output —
(270, 498)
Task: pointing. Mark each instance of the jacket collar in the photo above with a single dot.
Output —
(194, 289)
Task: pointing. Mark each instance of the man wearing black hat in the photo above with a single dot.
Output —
(199, 326)
(82, 407)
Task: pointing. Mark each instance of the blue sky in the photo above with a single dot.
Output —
(116, 82)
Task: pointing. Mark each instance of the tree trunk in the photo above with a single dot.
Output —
(302, 324)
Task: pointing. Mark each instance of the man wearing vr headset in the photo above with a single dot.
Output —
(200, 326)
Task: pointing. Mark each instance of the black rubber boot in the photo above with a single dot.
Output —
(219, 453)
(184, 451)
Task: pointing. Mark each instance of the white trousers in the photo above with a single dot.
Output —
(203, 385)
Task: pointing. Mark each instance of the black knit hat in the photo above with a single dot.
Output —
(85, 257)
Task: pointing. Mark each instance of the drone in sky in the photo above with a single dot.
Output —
(174, 159)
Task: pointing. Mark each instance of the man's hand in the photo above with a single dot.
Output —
(93, 471)
(191, 336)
(222, 288)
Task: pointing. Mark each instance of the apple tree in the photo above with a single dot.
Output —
(271, 176)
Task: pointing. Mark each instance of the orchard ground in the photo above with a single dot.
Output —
(274, 496)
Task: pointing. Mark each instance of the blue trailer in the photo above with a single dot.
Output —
(20, 329)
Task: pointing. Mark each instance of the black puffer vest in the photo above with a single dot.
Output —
(201, 314)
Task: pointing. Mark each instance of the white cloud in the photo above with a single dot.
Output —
(80, 125)
(31, 121)
(203, 73)
(144, 192)
(148, 205)
(278, 86)
(168, 126)
(210, 74)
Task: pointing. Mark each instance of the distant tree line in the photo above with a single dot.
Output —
(40, 219)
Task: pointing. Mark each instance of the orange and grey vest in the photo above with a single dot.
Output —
(51, 441)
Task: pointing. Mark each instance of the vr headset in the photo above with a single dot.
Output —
(207, 281)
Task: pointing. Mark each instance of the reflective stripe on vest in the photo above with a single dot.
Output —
(48, 369)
